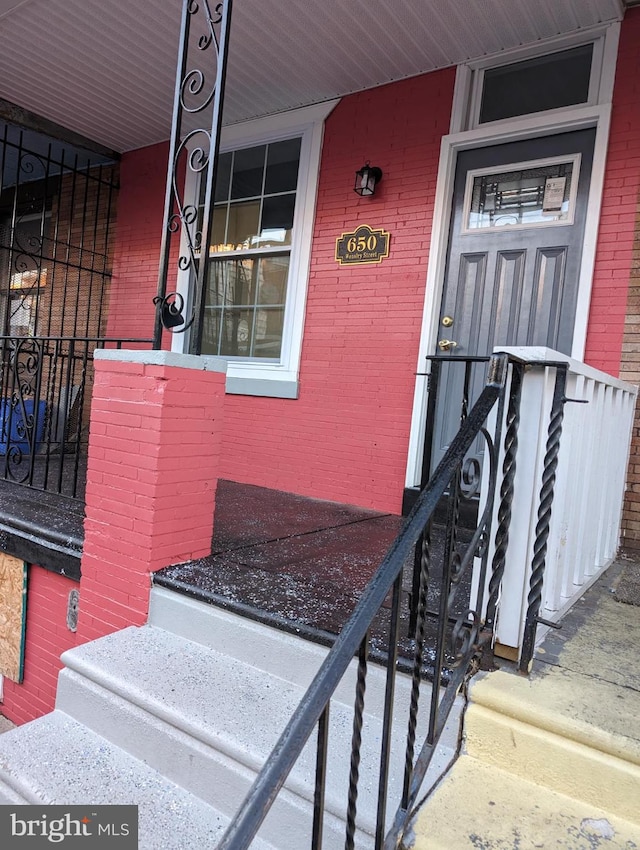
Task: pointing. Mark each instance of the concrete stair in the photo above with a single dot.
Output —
(552, 761)
(179, 715)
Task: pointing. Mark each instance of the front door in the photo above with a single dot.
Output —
(513, 263)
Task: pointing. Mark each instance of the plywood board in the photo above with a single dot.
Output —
(13, 610)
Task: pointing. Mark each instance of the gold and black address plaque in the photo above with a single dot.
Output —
(363, 245)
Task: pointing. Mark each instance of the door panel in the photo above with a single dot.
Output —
(515, 247)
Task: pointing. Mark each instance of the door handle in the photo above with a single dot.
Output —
(446, 344)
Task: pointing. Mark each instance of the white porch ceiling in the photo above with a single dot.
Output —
(105, 68)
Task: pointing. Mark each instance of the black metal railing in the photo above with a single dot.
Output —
(461, 637)
(45, 398)
(57, 211)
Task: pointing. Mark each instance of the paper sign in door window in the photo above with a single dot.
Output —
(554, 188)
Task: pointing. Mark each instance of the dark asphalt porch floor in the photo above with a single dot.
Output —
(296, 563)
(288, 560)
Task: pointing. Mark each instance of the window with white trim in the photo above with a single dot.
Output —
(261, 249)
(255, 197)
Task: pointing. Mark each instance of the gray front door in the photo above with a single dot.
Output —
(513, 263)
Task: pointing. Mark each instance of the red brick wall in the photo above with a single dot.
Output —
(619, 202)
(138, 232)
(154, 452)
(346, 436)
(47, 636)
(630, 371)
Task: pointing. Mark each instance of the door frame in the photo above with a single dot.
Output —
(529, 127)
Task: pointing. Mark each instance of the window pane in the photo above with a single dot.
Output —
(243, 225)
(222, 177)
(272, 287)
(219, 227)
(211, 331)
(236, 329)
(523, 198)
(282, 166)
(268, 332)
(217, 287)
(248, 169)
(244, 313)
(277, 220)
(232, 282)
(546, 82)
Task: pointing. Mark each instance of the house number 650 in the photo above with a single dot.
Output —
(362, 244)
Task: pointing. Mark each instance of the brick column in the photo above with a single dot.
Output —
(154, 453)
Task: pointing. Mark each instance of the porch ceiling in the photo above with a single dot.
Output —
(105, 68)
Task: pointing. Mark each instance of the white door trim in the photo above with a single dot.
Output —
(513, 130)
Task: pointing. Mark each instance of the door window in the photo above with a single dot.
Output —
(527, 194)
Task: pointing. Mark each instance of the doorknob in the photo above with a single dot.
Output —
(446, 344)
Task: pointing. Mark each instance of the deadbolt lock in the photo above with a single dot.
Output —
(447, 321)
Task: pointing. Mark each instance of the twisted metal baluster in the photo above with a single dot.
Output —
(538, 562)
(356, 742)
(387, 725)
(425, 568)
(321, 779)
(506, 494)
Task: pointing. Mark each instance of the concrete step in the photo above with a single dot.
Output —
(57, 760)
(178, 716)
(575, 734)
(552, 760)
(478, 805)
(204, 704)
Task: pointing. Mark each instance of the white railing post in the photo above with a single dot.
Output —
(588, 494)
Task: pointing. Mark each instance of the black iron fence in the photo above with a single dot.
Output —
(45, 397)
(460, 640)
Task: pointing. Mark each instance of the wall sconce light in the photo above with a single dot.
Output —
(367, 179)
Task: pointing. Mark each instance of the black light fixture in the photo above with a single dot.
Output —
(367, 179)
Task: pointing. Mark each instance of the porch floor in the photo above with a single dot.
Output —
(41, 528)
(291, 561)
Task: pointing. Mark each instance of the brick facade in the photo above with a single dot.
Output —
(614, 322)
(630, 371)
(619, 205)
(154, 456)
(137, 243)
(345, 438)
(47, 636)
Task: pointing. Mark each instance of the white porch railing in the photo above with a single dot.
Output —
(584, 527)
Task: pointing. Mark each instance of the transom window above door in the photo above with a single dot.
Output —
(540, 79)
(535, 85)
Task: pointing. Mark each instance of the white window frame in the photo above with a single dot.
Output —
(466, 113)
(251, 376)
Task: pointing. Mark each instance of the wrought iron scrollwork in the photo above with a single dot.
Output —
(199, 92)
(171, 312)
(20, 410)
